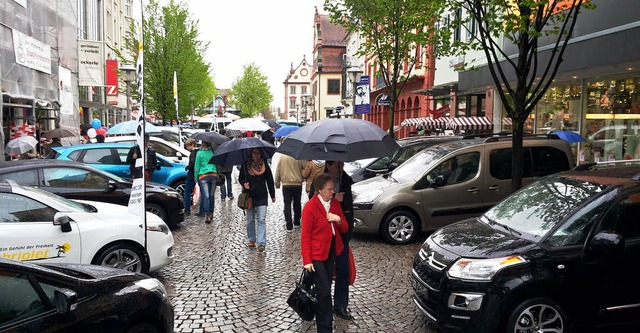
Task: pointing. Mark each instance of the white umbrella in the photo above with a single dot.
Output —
(21, 145)
(248, 124)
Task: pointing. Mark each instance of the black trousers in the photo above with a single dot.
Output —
(292, 194)
(322, 277)
(341, 289)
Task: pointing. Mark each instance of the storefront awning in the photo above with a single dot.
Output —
(507, 122)
(471, 123)
(426, 122)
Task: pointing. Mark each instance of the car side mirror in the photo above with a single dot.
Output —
(439, 181)
(605, 244)
(111, 186)
(63, 221)
(66, 300)
(392, 166)
(158, 166)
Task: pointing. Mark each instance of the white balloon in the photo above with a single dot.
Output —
(92, 133)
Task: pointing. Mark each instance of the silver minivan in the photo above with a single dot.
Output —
(449, 182)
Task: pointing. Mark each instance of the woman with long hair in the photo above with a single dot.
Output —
(257, 180)
(206, 175)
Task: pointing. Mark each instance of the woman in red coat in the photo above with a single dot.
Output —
(320, 242)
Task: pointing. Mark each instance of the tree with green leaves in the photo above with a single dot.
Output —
(521, 77)
(171, 43)
(394, 32)
(250, 93)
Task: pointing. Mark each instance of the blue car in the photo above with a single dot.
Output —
(112, 157)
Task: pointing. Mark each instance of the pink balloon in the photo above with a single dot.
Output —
(101, 131)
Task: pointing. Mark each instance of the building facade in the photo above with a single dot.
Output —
(297, 92)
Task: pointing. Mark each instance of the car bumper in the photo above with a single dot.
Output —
(160, 249)
(365, 221)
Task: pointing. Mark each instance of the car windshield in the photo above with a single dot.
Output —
(417, 165)
(202, 125)
(539, 207)
(72, 205)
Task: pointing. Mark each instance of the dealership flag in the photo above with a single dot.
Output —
(175, 100)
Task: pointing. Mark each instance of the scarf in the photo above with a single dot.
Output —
(256, 168)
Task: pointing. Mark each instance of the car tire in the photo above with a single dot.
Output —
(179, 186)
(124, 256)
(158, 210)
(540, 314)
(143, 328)
(400, 227)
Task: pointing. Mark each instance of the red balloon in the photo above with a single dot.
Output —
(101, 131)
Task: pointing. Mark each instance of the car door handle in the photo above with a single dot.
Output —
(473, 190)
(495, 187)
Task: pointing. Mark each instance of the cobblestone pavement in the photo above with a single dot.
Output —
(217, 284)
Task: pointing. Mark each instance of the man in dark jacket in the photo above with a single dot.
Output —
(268, 136)
(151, 161)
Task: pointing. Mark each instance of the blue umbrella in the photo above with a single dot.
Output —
(130, 127)
(237, 151)
(569, 136)
(284, 131)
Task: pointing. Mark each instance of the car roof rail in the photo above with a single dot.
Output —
(609, 164)
(508, 136)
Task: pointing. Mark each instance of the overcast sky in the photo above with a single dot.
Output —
(270, 33)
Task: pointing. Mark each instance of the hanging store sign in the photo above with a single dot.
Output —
(383, 100)
(66, 94)
(362, 103)
(31, 52)
(112, 77)
(91, 63)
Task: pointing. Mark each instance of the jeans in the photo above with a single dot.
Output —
(226, 187)
(341, 289)
(261, 212)
(292, 194)
(189, 186)
(207, 190)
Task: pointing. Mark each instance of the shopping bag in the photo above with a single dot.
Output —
(196, 196)
(303, 299)
(352, 268)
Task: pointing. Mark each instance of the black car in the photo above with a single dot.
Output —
(74, 180)
(408, 147)
(80, 298)
(556, 256)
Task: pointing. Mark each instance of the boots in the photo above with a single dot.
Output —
(208, 219)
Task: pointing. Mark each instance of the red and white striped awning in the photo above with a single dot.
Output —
(471, 123)
(507, 121)
(426, 122)
(412, 122)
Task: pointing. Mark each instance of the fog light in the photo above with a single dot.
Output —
(357, 223)
(466, 302)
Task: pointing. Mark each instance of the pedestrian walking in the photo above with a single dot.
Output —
(268, 136)
(207, 175)
(289, 175)
(257, 180)
(151, 160)
(344, 196)
(313, 169)
(225, 189)
(320, 243)
(190, 183)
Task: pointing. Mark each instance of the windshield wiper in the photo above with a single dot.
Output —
(504, 226)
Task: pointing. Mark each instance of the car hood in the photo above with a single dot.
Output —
(151, 187)
(93, 271)
(471, 238)
(371, 184)
(109, 212)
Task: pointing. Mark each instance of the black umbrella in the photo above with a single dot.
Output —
(272, 123)
(237, 151)
(211, 137)
(338, 140)
(58, 133)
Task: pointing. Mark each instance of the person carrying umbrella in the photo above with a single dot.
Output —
(257, 180)
(206, 174)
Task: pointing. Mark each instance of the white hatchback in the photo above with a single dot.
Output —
(42, 227)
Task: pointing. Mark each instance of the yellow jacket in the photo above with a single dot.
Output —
(289, 171)
(313, 169)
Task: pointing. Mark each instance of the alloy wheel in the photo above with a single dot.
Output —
(539, 318)
(401, 228)
(123, 258)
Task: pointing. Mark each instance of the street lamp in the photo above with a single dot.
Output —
(297, 113)
(128, 75)
(305, 102)
(354, 73)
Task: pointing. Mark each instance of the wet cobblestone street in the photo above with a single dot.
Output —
(217, 284)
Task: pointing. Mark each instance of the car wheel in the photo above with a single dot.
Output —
(143, 328)
(155, 209)
(123, 256)
(539, 314)
(400, 227)
(179, 186)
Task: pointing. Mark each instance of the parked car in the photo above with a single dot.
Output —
(408, 147)
(36, 225)
(112, 157)
(80, 298)
(168, 133)
(74, 180)
(450, 181)
(208, 124)
(552, 257)
(165, 148)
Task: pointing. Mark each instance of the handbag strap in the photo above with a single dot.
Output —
(303, 275)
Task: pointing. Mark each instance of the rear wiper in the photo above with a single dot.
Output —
(504, 226)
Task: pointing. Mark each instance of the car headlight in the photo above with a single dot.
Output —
(159, 227)
(482, 269)
(152, 285)
(367, 197)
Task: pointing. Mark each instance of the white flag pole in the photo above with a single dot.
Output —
(175, 99)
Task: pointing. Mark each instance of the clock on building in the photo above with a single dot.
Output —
(304, 72)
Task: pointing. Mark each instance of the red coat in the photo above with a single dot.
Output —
(315, 237)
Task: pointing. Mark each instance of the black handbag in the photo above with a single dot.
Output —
(303, 299)
(221, 179)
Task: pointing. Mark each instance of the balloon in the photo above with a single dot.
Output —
(96, 123)
(101, 131)
(92, 133)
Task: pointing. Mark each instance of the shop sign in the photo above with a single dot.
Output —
(383, 100)
(66, 94)
(112, 77)
(91, 63)
(363, 101)
(31, 52)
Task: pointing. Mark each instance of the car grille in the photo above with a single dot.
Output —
(428, 274)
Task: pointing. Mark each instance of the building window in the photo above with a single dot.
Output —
(292, 90)
(318, 31)
(127, 8)
(292, 104)
(458, 27)
(303, 90)
(333, 87)
(473, 28)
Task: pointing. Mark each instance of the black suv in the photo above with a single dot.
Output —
(556, 256)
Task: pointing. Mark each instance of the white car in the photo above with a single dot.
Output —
(42, 227)
(163, 147)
